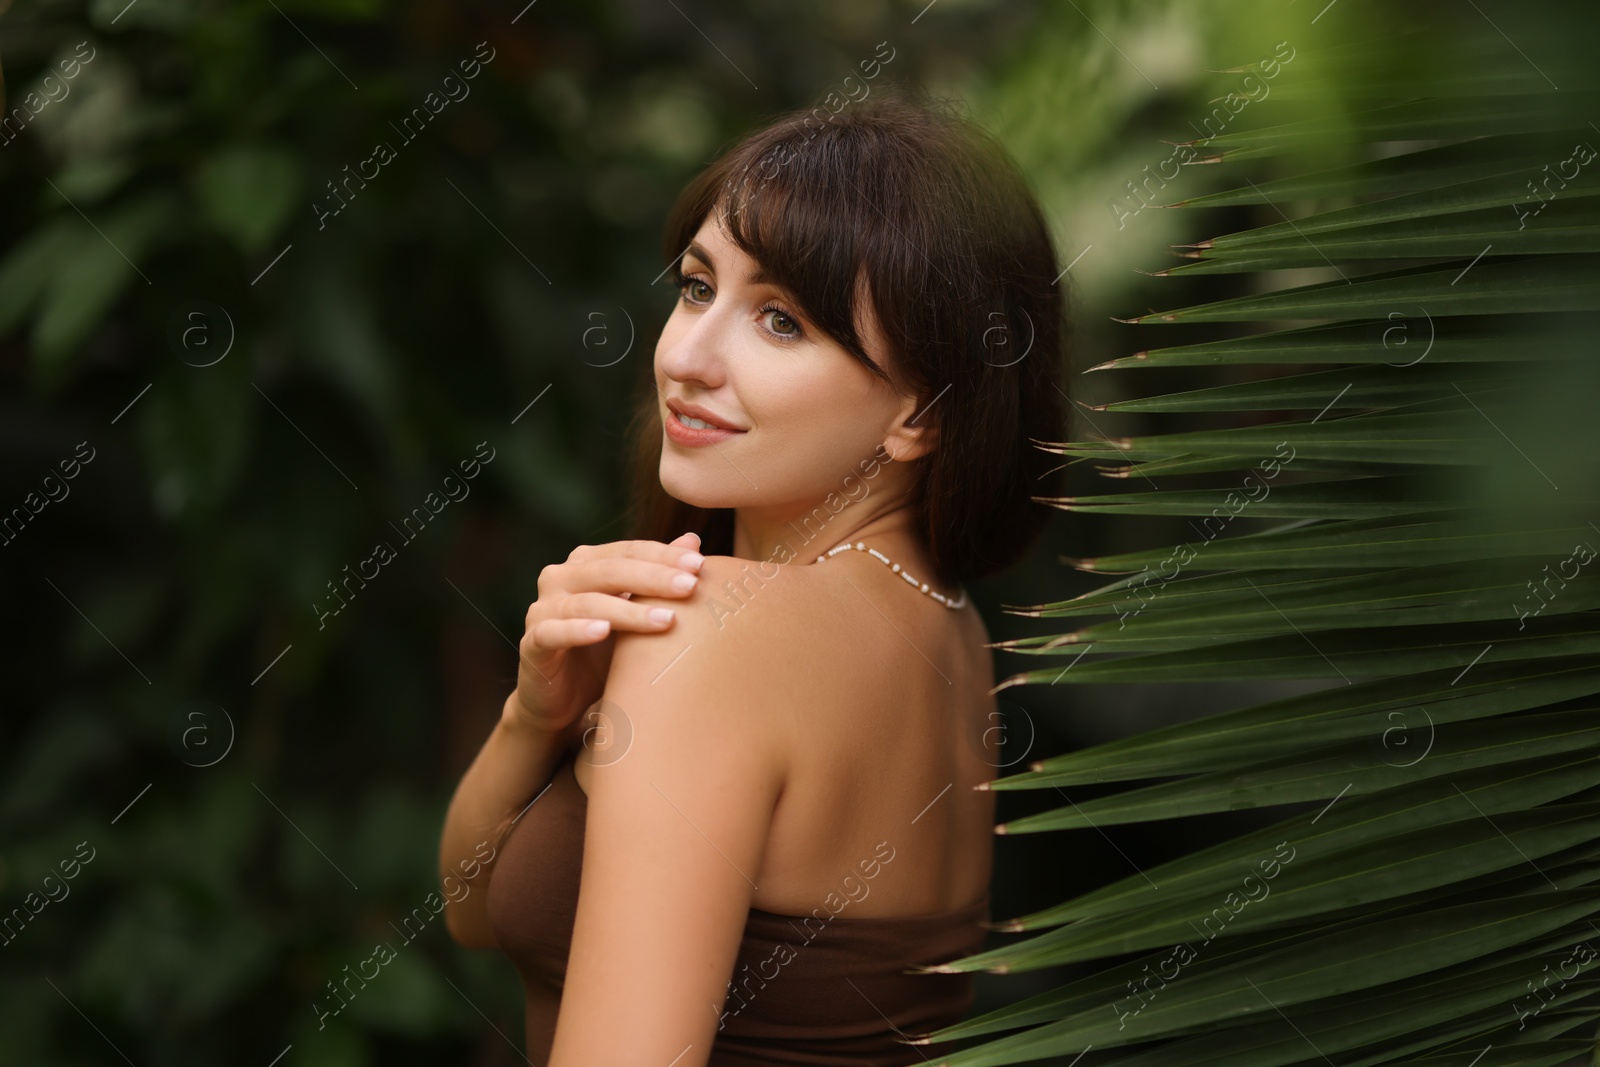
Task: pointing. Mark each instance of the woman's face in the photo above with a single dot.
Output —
(804, 412)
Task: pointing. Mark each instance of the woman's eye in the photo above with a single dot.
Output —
(776, 321)
(781, 324)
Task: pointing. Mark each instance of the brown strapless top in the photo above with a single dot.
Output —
(831, 984)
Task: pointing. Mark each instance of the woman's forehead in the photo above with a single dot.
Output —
(716, 248)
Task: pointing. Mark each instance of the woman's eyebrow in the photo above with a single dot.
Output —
(701, 254)
(755, 277)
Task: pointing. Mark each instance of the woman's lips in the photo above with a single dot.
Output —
(690, 437)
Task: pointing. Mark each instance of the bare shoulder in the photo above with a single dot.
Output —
(748, 602)
(738, 638)
(781, 620)
(743, 627)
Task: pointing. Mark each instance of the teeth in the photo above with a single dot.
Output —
(694, 424)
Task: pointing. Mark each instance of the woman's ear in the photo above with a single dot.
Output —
(911, 435)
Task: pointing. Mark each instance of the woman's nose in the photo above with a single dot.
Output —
(695, 351)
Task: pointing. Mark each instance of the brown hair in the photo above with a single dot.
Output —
(931, 213)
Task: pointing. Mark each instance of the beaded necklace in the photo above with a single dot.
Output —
(959, 602)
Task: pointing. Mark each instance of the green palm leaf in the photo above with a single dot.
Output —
(1400, 337)
(1409, 514)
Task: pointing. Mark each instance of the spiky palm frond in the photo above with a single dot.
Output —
(1417, 429)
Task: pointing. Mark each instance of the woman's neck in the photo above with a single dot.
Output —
(798, 535)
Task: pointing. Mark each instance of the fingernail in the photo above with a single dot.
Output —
(596, 628)
(684, 582)
(660, 616)
(691, 561)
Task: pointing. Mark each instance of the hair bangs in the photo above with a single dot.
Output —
(778, 200)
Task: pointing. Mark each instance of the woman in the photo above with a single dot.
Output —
(773, 808)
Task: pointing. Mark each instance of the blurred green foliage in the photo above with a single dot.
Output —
(266, 394)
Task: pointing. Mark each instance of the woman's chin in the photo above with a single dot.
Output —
(696, 493)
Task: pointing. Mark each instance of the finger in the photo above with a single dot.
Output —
(590, 567)
(555, 634)
(535, 659)
(622, 614)
(622, 574)
(670, 553)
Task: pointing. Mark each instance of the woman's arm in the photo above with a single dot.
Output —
(511, 767)
(675, 834)
(563, 660)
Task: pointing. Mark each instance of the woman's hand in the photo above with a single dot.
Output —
(567, 642)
